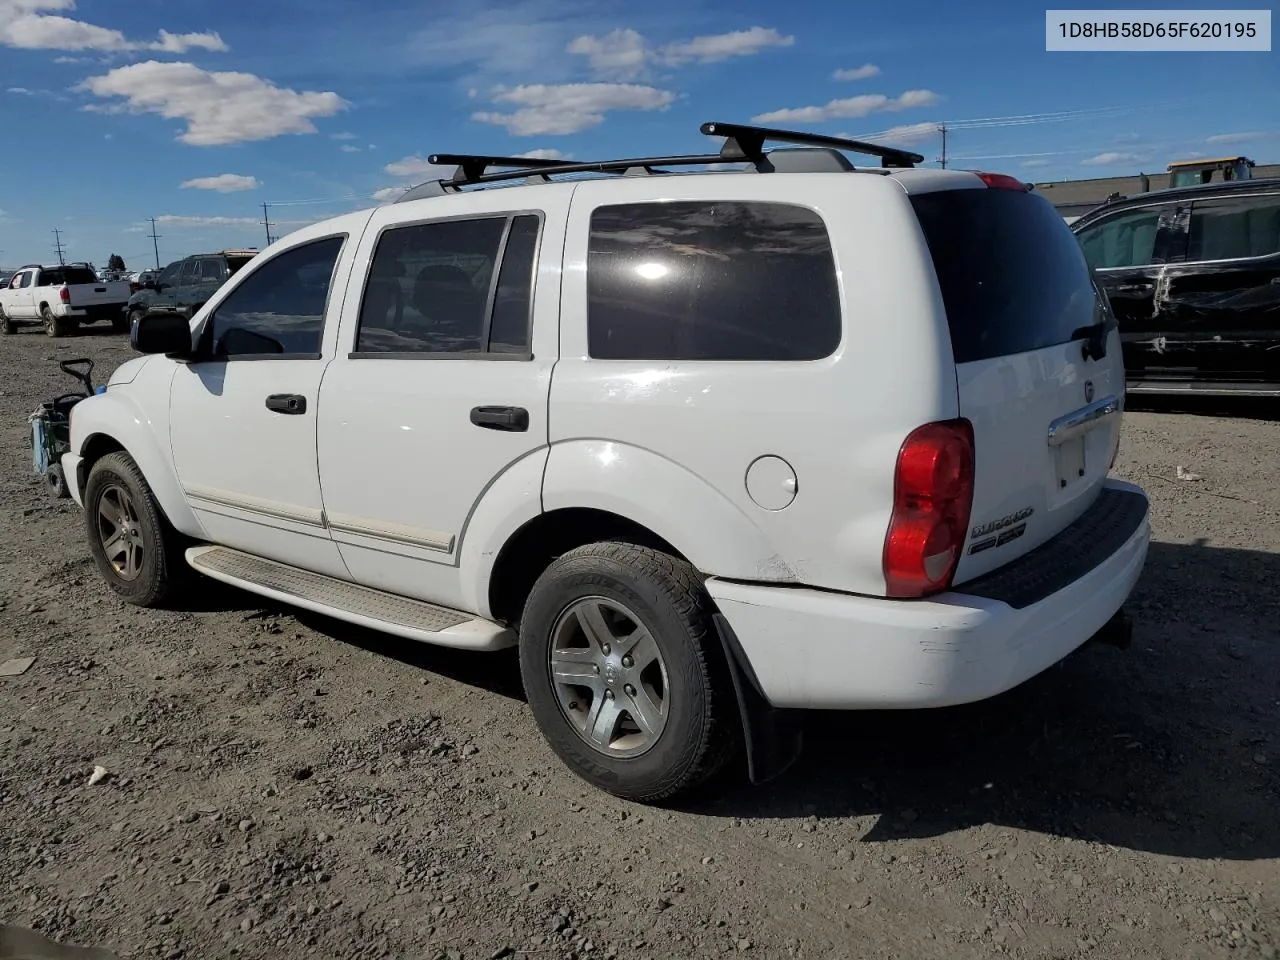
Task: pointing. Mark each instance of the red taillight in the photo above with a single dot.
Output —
(932, 497)
(1002, 181)
(64, 295)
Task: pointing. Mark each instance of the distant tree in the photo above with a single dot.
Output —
(116, 263)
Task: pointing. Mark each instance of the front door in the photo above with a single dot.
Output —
(243, 414)
(440, 388)
(1130, 250)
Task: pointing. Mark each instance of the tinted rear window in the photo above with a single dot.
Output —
(694, 280)
(1012, 274)
(235, 263)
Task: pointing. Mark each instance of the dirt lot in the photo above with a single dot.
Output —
(286, 786)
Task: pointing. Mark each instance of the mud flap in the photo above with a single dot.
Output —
(773, 737)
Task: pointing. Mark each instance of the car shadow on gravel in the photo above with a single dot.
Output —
(1167, 747)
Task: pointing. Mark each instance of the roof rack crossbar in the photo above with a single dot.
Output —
(746, 143)
(473, 166)
(605, 166)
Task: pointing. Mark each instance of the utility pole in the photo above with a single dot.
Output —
(266, 222)
(57, 245)
(155, 242)
(942, 129)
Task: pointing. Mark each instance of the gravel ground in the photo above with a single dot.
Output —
(281, 785)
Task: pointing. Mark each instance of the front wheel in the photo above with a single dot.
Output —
(137, 552)
(624, 674)
(7, 326)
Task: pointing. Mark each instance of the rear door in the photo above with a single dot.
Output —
(1021, 305)
(1225, 298)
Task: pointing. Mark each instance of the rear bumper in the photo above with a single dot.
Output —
(821, 650)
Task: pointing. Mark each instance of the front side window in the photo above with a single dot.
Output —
(1234, 228)
(711, 280)
(451, 287)
(279, 308)
(1124, 240)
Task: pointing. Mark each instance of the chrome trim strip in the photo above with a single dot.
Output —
(391, 532)
(1081, 421)
(267, 508)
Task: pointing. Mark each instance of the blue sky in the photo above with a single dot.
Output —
(196, 113)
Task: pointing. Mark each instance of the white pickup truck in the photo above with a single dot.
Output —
(60, 298)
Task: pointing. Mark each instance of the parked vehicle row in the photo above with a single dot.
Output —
(708, 447)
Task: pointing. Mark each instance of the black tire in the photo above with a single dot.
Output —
(665, 596)
(120, 322)
(53, 326)
(7, 326)
(135, 315)
(55, 484)
(161, 572)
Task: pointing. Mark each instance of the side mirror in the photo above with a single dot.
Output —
(166, 333)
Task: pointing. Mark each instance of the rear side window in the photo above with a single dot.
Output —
(1012, 275)
(460, 287)
(711, 281)
(75, 275)
(1235, 228)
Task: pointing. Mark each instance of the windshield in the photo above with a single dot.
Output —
(1012, 275)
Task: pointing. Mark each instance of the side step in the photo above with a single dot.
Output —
(351, 602)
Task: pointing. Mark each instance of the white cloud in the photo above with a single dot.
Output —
(860, 106)
(389, 194)
(219, 107)
(544, 154)
(1038, 162)
(622, 53)
(907, 134)
(171, 220)
(344, 135)
(223, 183)
(625, 54)
(857, 73)
(569, 107)
(722, 46)
(414, 166)
(1110, 157)
(30, 25)
(349, 148)
(21, 91)
(1246, 137)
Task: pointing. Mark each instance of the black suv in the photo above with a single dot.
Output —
(1193, 276)
(184, 285)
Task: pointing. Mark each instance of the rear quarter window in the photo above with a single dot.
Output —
(1012, 275)
(687, 280)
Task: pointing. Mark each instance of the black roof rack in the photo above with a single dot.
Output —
(743, 144)
(747, 143)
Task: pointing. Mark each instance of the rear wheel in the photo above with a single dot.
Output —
(55, 484)
(54, 326)
(137, 552)
(624, 674)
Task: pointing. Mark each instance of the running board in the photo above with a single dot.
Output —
(351, 602)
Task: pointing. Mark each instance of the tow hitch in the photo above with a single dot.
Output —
(1116, 632)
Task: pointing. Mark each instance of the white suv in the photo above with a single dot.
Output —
(707, 447)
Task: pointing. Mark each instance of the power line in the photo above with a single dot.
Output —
(57, 245)
(155, 242)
